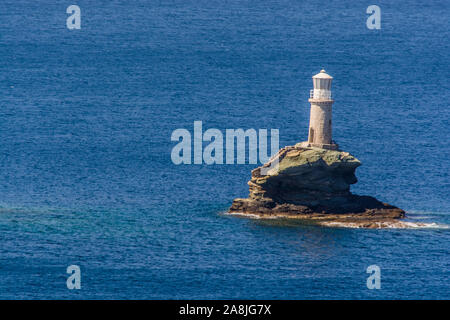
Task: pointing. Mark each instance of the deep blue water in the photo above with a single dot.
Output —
(86, 176)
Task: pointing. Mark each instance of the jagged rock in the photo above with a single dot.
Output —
(313, 183)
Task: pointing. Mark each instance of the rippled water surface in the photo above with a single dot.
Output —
(86, 176)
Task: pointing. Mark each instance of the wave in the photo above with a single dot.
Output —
(250, 215)
(388, 225)
(395, 224)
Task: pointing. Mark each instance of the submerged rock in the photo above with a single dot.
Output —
(313, 183)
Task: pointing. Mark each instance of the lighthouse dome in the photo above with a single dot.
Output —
(322, 75)
(322, 80)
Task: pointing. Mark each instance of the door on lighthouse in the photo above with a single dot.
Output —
(311, 135)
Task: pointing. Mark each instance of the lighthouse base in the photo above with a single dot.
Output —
(307, 144)
(313, 185)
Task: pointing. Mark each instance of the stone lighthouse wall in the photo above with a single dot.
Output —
(320, 123)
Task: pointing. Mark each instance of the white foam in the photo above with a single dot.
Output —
(421, 225)
(397, 224)
(250, 215)
(388, 225)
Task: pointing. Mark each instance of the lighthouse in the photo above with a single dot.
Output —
(320, 121)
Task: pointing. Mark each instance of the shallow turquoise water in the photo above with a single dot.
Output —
(86, 175)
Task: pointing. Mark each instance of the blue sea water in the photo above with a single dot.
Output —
(86, 176)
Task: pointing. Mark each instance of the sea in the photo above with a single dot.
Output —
(86, 172)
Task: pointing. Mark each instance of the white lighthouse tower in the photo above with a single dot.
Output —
(320, 124)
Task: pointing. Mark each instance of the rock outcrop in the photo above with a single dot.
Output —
(313, 183)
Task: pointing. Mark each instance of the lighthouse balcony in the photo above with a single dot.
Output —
(320, 94)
